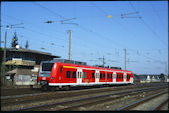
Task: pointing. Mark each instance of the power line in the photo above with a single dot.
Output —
(29, 23)
(156, 35)
(158, 16)
(48, 10)
(80, 26)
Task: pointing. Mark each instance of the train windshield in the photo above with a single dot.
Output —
(47, 66)
(46, 69)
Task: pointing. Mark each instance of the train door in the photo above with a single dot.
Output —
(114, 76)
(131, 78)
(97, 77)
(79, 76)
(124, 77)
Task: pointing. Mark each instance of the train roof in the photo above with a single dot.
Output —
(79, 64)
(92, 67)
(65, 61)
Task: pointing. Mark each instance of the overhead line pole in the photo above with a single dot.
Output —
(125, 58)
(70, 44)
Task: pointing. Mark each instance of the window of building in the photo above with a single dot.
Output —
(84, 75)
(92, 75)
(68, 74)
(74, 74)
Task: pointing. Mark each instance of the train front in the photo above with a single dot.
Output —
(45, 74)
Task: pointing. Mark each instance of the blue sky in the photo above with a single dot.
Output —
(96, 35)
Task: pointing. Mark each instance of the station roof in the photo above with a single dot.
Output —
(30, 51)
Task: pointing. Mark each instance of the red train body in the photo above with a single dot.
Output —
(59, 74)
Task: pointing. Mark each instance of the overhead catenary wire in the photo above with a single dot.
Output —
(147, 25)
(42, 34)
(29, 23)
(158, 16)
(80, 26)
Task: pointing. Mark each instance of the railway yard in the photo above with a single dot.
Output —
(146, 97)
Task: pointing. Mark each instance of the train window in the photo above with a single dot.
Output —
(100, 75)
(107, 75)
(68, 74)
(122, 76)
(61, 69)
(111, 76)
(97, 75)
(84, 75)
(74, 74)
(80, 76)
(92, 75)
(104, 75)
(128, 76)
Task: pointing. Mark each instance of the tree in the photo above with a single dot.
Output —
(162, 77)
(14, 40)
(27, 45)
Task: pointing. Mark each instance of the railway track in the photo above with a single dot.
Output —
(87, 101)
(55, 95)
(41, 100)
(159, 106)
(27, 98)
(144, 100)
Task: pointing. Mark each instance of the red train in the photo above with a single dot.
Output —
(64, 75)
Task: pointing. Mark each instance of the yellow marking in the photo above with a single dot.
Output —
(69, 67)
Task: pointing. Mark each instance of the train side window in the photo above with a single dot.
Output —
(92, 75)
(61, 70)
(122, 76)
(68, 74)
(74, 74)
(111, 76)
(107, 75)
(100, 75)
(84, 75)
(103, 75)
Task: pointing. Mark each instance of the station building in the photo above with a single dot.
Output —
(21, 65)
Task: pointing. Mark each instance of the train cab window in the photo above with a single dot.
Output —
(68, 74)
(84, 75)
(74, 74)
(92, 75)
(100, 75)
(107, 75)
(104, 75)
